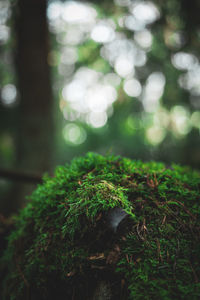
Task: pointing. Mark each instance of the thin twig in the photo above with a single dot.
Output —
(20, 176)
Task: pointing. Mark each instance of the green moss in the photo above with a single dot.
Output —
(64, 242)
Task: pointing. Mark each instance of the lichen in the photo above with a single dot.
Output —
(64, 243)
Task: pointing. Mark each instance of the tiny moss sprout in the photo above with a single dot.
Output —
(133, 225)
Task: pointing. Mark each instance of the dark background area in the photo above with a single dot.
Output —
(118, 77)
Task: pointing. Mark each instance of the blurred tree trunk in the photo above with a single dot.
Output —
(35, 124)
(35, 116)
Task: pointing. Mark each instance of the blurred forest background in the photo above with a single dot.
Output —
(119, 77)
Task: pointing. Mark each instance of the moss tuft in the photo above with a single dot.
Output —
(108, 219)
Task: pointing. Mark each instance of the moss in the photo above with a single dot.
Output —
(65, 242)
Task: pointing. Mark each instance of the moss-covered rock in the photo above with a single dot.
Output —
(108, 228)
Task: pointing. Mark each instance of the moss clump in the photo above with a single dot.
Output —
(133, 224)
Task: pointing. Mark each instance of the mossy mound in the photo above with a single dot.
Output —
(132, 226)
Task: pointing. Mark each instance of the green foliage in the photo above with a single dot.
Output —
(63, 237)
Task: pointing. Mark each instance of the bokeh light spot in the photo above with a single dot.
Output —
(133, 24)
(99, 97)
(74, 134)
(8, 94)
(74, 91)
(132, 87)
(76, 12)
(143, 38)
(102, 33)
(184, 61)
(180, 120)
(153, 91)
(129, 125)
(155, 135)
(124, 66)
(161, 117)
(69, 55)
(195, 119)
(5, 11)
(145, 11)
(97, 119)
(54, 10)
(4, 33)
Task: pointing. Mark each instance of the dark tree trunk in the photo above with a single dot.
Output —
(35, 116)
(34, 140)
